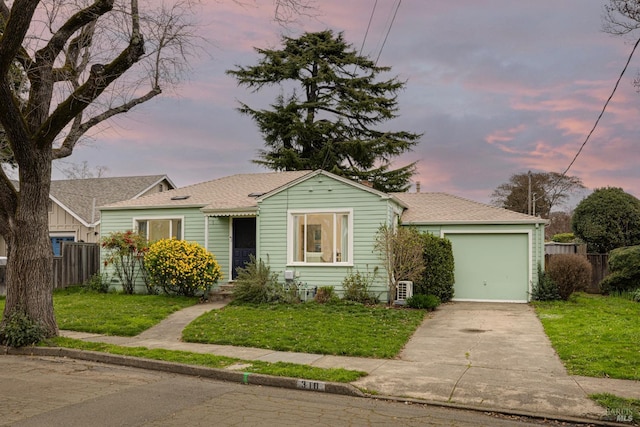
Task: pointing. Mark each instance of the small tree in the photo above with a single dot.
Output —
(180, 267)
(608, 218)
(125, 251)
(570, 273)
(400, 250)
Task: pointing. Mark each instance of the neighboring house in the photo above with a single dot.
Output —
(317, 227)
(74, 214)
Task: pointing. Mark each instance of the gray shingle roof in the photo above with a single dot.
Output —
(441, 208)
(227, 194)
(77, 195)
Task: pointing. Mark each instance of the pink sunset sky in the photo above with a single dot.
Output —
(496, 87)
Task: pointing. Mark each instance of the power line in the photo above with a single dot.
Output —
(603, 109)
(373, 11)
(388, 31)
(615, 88)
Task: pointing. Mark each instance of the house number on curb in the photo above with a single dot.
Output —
(311, 385)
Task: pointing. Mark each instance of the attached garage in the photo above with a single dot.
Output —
(491, 266)
(496, 251)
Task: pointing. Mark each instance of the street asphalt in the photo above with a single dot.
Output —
(482, 356)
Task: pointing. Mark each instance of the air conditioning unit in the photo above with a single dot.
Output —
(404, 290)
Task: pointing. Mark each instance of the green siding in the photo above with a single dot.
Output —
(219, 245)
(370, 211)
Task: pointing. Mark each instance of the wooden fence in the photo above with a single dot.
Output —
(79, 261)
(599, 269)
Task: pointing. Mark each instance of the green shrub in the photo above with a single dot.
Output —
(636, 295)
(428, 302)
(564, 238)
(570, 272)
(181, 268)
(437, 278)
(256, 284)
(356, 287)
(325, 294)
(546, 289)
(97, 283)
(20, 330)
(624, 270)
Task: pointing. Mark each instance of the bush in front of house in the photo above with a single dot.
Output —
(546, 289)
(325, 295)
(181, 268)
(125, 251)
(427, 302)
(570, 272)
(437, 278)
(256, 284)
(624, 270)
(356, 287)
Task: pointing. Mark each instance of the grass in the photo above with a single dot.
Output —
(113, 314)
(594, 335)
(337, 329)
(619, 408)
(212, 361)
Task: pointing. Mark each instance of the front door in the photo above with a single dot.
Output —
(244, 242)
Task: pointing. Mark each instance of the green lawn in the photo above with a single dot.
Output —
(338, 329)
(594, 335)
(113, 314)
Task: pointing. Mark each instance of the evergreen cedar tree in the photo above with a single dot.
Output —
(328, 121)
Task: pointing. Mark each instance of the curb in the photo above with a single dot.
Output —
(282, 382)
(182, 369)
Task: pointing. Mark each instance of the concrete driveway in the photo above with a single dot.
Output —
(483, 354)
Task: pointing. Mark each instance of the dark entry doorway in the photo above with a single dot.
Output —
(244, 242)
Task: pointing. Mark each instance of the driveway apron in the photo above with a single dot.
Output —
(483, 354)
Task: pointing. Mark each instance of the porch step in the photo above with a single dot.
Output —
(222, 292)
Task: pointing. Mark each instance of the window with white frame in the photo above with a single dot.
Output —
(160, 228)
(320, 237)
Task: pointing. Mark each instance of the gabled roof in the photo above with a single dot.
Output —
(235, 194)
(442, 208)
(82, 197)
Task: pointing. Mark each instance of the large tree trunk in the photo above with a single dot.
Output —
(30, 257)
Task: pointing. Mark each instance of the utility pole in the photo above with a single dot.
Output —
(529, 194)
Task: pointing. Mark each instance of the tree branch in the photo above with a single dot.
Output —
(76, 132)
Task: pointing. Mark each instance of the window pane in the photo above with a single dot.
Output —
(142, 228)
(320, 238)
(298, 238)
(176, 229)
(342, 238)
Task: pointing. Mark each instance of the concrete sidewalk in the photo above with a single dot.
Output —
(481, 355)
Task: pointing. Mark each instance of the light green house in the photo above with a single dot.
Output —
(316, 227)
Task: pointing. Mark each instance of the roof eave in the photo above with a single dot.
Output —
(245, 211)
(126, 208)
(477, 222)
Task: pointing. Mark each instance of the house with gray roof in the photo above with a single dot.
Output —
(74, 213)
(316, 227)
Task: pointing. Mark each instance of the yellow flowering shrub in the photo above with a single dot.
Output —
(180, 267)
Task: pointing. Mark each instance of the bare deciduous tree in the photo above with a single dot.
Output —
(85, 61)
(400, 249)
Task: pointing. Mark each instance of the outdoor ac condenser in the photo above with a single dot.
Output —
(404, 290)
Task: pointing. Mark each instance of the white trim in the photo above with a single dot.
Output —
(70, 212)
(230, 234)
(290, 232)
(485, 230)
(135, 220)
(497, 301)
(163, 178)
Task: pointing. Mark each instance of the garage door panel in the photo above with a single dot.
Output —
(491, 267)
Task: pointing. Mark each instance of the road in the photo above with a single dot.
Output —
(38, 391)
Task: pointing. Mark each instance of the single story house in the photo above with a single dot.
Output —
(316, 227)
